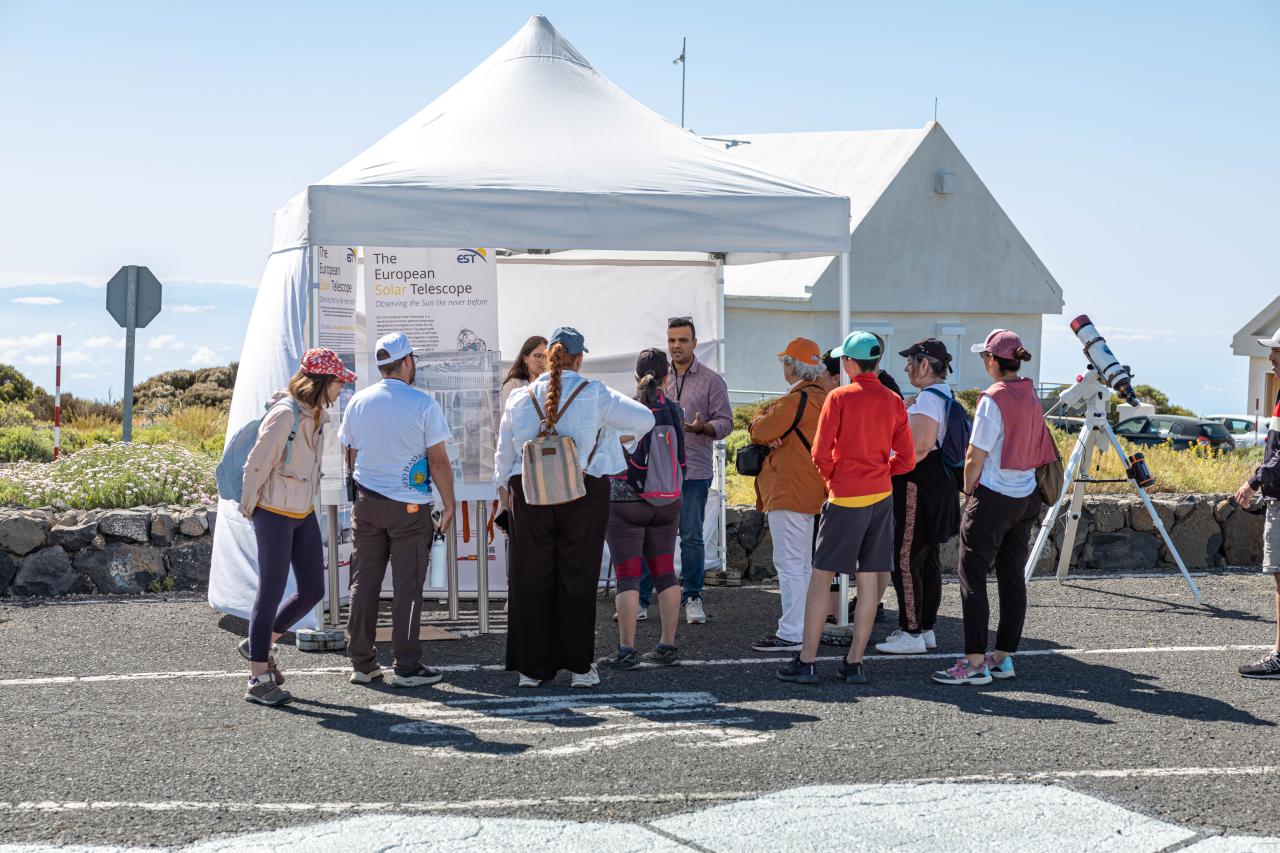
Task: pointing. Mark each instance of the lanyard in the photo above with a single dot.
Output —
(679, 383)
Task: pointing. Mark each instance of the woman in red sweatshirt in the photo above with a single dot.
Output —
(1008, 443)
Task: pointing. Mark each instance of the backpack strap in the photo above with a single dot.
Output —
(795, 425)
(946, 411)
(549, 428)
(293, 432)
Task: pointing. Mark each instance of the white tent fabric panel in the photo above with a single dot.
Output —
(535, 148)
(273, 346)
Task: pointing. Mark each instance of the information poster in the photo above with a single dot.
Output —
(335, 306)
(446, 302)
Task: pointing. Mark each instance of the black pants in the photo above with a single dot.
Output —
(995, 531)
(284, 541)
(917, 569)
(555, 570)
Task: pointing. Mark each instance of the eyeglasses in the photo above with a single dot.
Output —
(538, 356)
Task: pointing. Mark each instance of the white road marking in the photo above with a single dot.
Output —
(1112, 773)
(472, 667)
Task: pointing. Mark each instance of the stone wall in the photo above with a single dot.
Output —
(1115, 535)
(57, 551)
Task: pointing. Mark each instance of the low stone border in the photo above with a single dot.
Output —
(58, 551)
(1115, 535)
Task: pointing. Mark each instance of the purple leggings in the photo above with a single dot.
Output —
(281, 541)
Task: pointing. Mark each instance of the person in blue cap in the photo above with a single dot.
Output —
(556, 549)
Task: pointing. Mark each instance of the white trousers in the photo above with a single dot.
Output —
(792, 534)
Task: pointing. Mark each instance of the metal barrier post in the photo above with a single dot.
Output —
(335, 592)
(451, 570)
(482, 563)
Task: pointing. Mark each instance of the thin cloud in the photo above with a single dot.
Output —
(189, 309)
(162, 341)
(99, 341)
(38, 300)
(204, 357)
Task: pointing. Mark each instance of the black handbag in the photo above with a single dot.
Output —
(749, 461)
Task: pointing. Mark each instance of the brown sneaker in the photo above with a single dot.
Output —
(264, 691)
(272, 666)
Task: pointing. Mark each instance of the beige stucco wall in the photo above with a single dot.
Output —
(755, 336)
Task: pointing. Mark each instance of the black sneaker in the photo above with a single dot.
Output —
(797, 672)
(1267, 667)
(621, 660)
(420, 677)
(831, 620)
(774, 643)
(851, 672)
(661, 655)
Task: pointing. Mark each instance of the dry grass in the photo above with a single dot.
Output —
(200, 422)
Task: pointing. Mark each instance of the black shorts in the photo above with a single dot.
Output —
(855, 538)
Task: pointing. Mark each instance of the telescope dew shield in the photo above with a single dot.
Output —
(1116, 375)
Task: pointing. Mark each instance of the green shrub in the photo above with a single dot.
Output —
(969, 399)
(16, 415)
(14, 387)
(743, 414)
(113, 476)
(25, 444)
(734, 442)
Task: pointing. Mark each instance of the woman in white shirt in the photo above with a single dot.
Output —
(529, 365)
(556, 550)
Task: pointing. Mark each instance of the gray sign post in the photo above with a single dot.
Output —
(133, 299)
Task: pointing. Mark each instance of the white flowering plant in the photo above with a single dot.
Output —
(113, 476)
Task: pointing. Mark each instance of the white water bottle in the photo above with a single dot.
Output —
(436, 574)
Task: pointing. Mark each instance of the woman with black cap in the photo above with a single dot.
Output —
(644, 517)
(556, 549)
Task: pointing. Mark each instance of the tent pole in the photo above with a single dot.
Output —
(312, 321)
(722, 550)
(846, 323)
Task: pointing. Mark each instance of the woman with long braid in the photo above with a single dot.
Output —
(556, 549)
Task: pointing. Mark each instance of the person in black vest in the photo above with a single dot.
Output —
(926, 503)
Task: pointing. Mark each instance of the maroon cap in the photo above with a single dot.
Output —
(1001, 343)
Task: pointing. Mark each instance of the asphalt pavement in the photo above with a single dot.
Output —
(122, 725)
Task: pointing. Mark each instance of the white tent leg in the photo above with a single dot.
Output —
(846, 324)
(722, 549)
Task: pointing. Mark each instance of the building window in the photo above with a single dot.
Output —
(878, 327)
(952, 334)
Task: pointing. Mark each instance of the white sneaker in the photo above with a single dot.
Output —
(902, 643)
(590, 678)
(358, 677)
(529, 681)
(930, 641)
(693, 612)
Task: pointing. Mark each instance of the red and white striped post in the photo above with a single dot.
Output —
(57, 404)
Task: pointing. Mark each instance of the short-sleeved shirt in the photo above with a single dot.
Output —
(390, 425)
(988, 435)
(932, 406)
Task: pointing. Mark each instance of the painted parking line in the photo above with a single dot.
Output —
(575, 724)
(44, 681)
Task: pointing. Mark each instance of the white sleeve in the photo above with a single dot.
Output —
(988, 425)
(504, 455)
(347, 430)
(930, 405)
(434, 427)
(624, 416)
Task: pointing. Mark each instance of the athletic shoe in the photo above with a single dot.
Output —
(693, 612)
(264, 691)
(529, 681)
(420, 677)
(1004, 670)
(851, 672)
(590, 678)
(774, 643)
(902, 643)
(831, 620)
(358, 677)
(797, 672)
(930, 641)
(642, 615)
(1266, 667)
(622, 660)
(272, 666)
(962, 673)
(661, 655)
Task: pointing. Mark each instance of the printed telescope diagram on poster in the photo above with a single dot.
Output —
(446, 302)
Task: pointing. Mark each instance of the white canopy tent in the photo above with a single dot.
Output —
(532, 149)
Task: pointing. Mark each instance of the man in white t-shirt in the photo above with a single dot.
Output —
(394, 435)
(926, 503)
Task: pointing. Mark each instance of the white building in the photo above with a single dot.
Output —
(933, 255)
(1263, 384)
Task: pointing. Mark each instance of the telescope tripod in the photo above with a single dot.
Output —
(1096, 434)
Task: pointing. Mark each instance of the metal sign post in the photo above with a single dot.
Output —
(133, 299)
(482, 563)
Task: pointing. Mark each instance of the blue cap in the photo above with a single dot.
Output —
(571, 339)
(860, 345)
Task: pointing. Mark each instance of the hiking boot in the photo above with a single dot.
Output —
(661, 655)
(628, 659)
(851, 672)
(1268, 666)
(419, 677)
(272, 666)
(798, 672)
(264, 691)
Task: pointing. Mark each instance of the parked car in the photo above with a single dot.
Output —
(1183, 432)
(1243, 429)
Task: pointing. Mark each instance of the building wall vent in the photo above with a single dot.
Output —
(944, 182)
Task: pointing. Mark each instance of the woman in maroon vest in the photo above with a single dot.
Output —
(1009, 442)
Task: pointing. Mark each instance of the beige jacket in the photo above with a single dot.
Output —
(268, 481)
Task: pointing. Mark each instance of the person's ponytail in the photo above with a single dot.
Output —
(559, 358)
(647, 390)
(1021, 354)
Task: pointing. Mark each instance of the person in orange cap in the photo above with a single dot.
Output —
(789, 487)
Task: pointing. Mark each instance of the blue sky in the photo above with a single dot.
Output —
(1134, 144)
